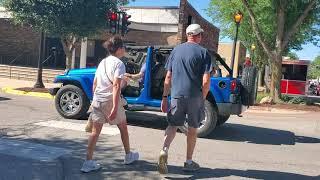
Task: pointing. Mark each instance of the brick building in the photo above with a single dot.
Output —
(150, 26)
(225, 51)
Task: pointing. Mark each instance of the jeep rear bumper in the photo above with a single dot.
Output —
(230, 108)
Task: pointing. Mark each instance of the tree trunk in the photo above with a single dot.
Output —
(68, 59)
(276, 76)
(276, 62)
(68, 44)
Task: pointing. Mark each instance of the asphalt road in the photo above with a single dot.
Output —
(260, 145)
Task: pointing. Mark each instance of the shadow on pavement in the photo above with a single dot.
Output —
(147, 120)
(258, 135)
(229, 131)
(207, 173)
(109, 155)
(4, 99)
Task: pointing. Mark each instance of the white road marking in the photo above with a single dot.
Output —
(107, 130)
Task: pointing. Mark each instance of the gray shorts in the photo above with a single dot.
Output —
(183, 110)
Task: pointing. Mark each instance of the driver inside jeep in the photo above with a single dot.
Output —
(140, 77)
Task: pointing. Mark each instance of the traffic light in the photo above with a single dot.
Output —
(113, 22)
(125, 23)
(118, 20)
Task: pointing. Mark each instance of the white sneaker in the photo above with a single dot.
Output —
(131, 157)
(90, 165)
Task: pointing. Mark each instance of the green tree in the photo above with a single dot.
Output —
(314, 71)
(71, 20)
(275, 26)
(292, 56)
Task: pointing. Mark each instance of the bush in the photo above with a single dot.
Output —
(261, 95)
(297, 100)
(285, 98)
(293, 100)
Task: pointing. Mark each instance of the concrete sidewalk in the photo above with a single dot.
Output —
(15, 83)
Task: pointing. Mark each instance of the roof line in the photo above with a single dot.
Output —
(151, 7)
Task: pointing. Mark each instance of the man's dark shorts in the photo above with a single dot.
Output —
(186, 109)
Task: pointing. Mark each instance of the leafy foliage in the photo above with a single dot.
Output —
(222, 12)
(275, 26)
(62, 18)
(314, 71)
(293, 56)
(70, 20)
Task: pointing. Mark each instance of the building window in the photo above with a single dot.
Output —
(189, 20)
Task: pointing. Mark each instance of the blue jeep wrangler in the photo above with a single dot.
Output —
(227, 96)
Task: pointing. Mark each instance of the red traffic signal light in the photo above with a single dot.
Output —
(113, 16)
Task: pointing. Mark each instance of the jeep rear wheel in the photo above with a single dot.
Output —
(71, 102)
(249, 82)
(208, 124)
(222, 119)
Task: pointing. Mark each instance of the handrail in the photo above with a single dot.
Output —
(14, 60)
(49, 57)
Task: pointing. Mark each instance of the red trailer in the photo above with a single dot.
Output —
(294, 77)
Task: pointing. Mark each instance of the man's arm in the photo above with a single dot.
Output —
(205, 84)
(166, 89)
(167, 84)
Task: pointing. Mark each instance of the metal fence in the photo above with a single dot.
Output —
(27, 60)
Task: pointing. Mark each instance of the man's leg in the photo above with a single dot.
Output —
(170, 133)
(191, 142)
(124, 136)
(195, 115)
(93, 139)
(190, 165)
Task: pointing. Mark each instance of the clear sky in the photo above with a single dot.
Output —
(309, 51)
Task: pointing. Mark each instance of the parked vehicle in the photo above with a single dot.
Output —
(227, 95)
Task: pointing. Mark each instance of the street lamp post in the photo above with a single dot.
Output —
(237, 19)
(253, 47)
(39, 83)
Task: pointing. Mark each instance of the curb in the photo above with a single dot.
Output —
(274, 110)
(10, 90)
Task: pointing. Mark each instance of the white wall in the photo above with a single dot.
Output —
(160, 20)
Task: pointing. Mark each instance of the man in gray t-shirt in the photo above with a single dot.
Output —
(188, 74)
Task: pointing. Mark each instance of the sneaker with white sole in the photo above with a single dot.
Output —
(193, 166)
(131, 157)
(90, 165)
(163, 162)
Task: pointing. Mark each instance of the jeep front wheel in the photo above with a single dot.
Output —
(71, 102)
(208, 124)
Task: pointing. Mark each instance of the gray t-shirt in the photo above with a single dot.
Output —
(188, 62)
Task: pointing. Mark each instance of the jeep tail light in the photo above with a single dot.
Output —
(233, 85)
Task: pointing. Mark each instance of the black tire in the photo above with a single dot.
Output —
(82, 102)
(249, 83)
(222, 119)
(207, 126)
